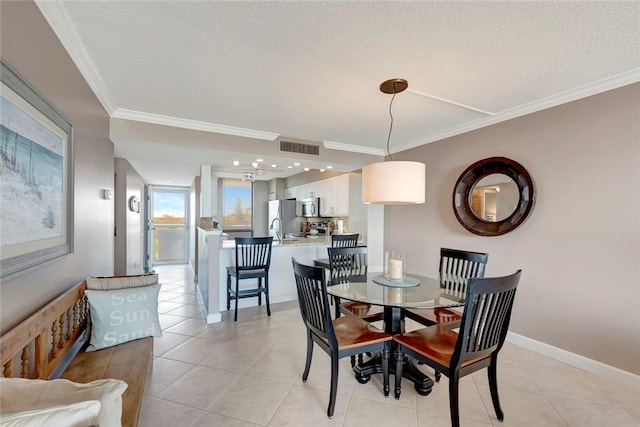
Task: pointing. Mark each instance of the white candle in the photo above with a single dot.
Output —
(395, 269)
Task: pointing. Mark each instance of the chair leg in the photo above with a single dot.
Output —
(385, 369)
(438, 375)
(260, 289)
(266, 294)
(454, 404)
(235, 315)
(228, 291)
(334, 385)
(337, 301)
(307, 365)
(399, 365)
(493, 386)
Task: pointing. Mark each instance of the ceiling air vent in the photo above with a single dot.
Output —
(297, 147)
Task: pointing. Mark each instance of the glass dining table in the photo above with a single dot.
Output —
(416, 291)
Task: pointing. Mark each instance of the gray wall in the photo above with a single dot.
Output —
(260, 209)
(579, 250)
(31, 47)
(129, 246)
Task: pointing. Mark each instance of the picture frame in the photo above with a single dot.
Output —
(36, 178)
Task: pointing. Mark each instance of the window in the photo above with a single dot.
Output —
(236, 204)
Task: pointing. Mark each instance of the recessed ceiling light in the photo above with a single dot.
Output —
(306, 169)
(259, 160)
(321, 170)
(168, 180)
(296, 164)
(236, 163)
(289, 167)
(329, 167)
(274, 166)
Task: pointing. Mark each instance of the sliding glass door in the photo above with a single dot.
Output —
(168, 225)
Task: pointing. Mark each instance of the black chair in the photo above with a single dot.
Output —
(344, 240)
(346, 336)
(253, 257)
(485, 321)
(350, 264)
(456, 267)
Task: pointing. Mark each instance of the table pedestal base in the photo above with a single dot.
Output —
(422, 383)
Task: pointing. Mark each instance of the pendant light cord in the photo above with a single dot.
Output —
(391, 124)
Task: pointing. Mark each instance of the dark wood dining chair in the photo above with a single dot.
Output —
(342, 337)
(485, 321)
(349, 264)
(344, 240)
(456, 268)
(253, 258)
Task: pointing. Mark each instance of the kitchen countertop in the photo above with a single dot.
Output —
(298, 241)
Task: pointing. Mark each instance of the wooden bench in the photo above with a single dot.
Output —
(49, 345)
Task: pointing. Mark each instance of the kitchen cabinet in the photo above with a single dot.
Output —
(312, 189)
(305, 191)
(341, 195)
(332, 192)
(334, 196)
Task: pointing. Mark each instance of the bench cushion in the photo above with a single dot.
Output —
(123, 315)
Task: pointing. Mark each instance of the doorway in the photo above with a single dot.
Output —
(168, 226)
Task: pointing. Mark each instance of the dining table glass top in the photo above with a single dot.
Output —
(429, 293)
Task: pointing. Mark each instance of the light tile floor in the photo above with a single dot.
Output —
(248, 373)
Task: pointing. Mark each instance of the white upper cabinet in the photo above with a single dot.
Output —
(327, 197)
(332, 192)
(334, 196)
(341, 195)
(312, 189)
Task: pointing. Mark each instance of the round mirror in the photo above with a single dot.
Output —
(493, 196)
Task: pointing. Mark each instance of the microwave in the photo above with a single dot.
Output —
(309, 207)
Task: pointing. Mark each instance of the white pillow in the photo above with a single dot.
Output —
(81, 414)
(116, 282)
(18, 395)
(123, 315)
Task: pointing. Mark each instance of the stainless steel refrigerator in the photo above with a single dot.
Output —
(285, 212)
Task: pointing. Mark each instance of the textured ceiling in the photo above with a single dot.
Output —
(311, 70)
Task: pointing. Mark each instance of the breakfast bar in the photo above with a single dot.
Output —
(217, 253)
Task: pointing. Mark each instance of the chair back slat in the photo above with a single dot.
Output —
(347, 264)
(253, 253)
(313, 300)
(457, 267)
(485, 321)
(344, 240)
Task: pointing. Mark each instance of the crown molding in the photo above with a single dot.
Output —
(159, 119)
(62, 26)
(609, 83)
(354, 148)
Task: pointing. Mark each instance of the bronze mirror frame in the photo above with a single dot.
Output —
(470, 177)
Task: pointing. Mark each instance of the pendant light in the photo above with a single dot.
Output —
(393, 182)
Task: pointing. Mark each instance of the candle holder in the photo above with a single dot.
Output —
(395, 265)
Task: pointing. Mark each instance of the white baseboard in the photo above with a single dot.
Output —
(623, 377)
(214, 318)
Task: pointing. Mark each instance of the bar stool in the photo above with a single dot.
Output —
(253, 258)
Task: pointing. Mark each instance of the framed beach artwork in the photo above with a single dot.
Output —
(36, 178)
